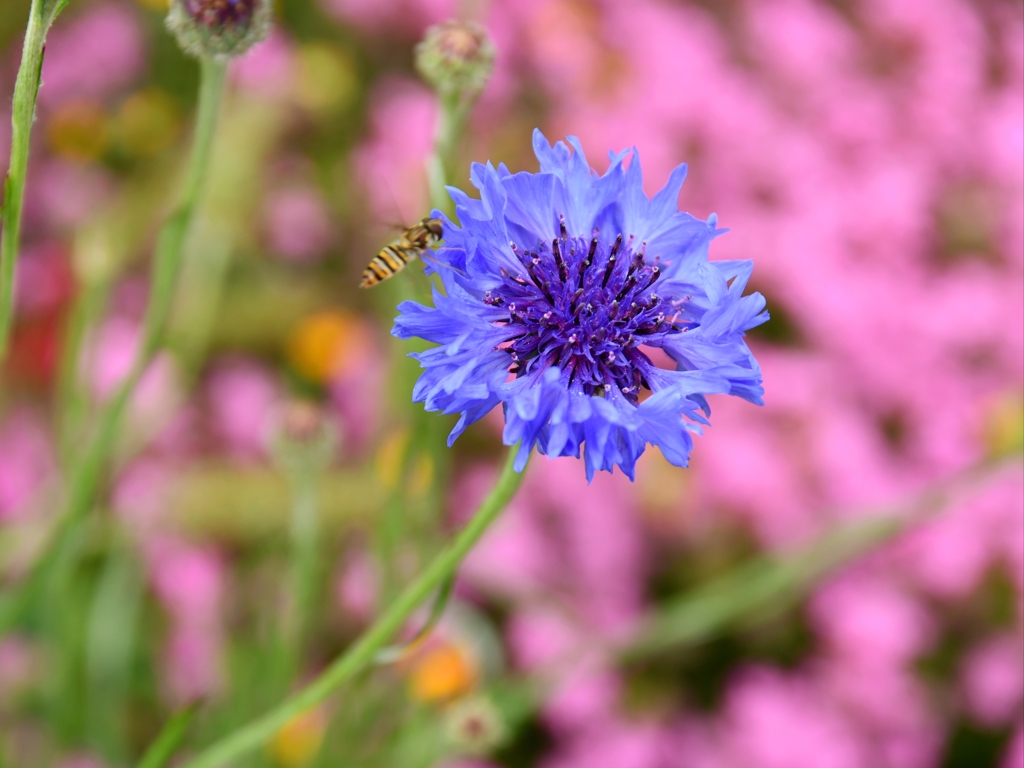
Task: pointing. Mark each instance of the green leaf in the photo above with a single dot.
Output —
(758, 590)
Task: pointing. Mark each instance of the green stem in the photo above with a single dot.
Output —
(365, 649)
(424, 435)
(304, 529)
(451, 122)
(72, 400)
(86, 473)
(23, 111)
(166, 261)
(169, 739)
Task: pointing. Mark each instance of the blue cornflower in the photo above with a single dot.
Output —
(553, 286)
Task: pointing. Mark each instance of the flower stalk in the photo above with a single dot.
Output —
(87, 471)
(23, 112)
(451, 123)
(169, 738)
(166, 262)
(365, 650)
(456, 58)
(302, 448)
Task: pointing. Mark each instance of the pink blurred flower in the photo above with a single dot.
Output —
(108, 362)
(19, 663)
(512, 557)
(355, 387)
(356, 586)
(390, 162)
(63, 194)
(267, 69)
(404, 16)
(27, 463)
(582, 701)
(949, 557)
(774, 721)
(618, 745)
(298, 223)
(189, 582)
(541, 636)
(141, 496)
(192, 664)
(114, 352)
(565, 537)
(889, 705)
(93, 55)
(992, 679)
(81, 761)
(241, 396)
(869, 623)
(44, 279)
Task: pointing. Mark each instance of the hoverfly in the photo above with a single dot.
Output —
(393, 257)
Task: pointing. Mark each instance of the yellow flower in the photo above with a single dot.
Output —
(327, 80)
(147, 122)
(1004, 430)
(79, 130)
(389, 460)
(298, 741)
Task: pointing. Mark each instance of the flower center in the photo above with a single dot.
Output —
(220, 12)
(585, 306)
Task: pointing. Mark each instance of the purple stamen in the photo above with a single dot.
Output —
(588, 329)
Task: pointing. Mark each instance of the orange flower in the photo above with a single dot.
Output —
(327, 343)
(443, 672)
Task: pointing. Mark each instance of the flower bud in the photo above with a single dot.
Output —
(456, 58)
(303, 439)
(474, 726)
(219, 28)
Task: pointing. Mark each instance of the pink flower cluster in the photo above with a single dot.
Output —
(869, 161)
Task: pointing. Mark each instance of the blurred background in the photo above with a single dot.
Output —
(837, 580)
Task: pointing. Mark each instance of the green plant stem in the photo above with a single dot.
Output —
(757, 590)
(87, 472)
(23, 111)
(166, 261)
(765, 586)
(169, 739)
(426, 431)
(72, 399)
(365, 649)
(429, 433)
(451, 123)
(111, 651)
(304, 530)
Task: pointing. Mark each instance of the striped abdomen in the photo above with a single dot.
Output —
(394, 257)
(391, 260)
